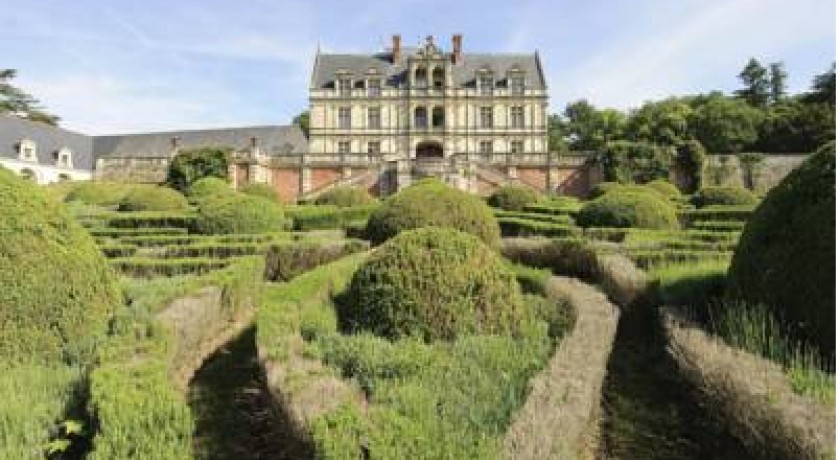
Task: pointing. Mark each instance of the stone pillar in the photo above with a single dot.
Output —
(552, 175)
(403, 173)
(305, 175)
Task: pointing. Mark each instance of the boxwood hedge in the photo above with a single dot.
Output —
(152, 198)
(628, 209)
(719, 195)
(345, 197)
(238, 214)
(513, 197)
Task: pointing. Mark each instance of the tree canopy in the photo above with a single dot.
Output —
(17, 102)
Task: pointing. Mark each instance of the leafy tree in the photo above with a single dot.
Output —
(302, 120)
(796, 126)
(778, 81)
(823, 88)
(691, 158)
(588, 128)
(757, 89)
(725, 125)
(635, 162)
(194, 164)
(556, 133)
(15, 101)
(662, 122)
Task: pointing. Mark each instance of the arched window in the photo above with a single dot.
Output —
(437, 78)
(420, 77)
(438, 118)
(421, 117)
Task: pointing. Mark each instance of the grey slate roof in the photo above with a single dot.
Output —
(273, 140)
(464, 71)
(48, 141)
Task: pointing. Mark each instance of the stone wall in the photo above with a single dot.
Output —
(729, 170)
(136, 170)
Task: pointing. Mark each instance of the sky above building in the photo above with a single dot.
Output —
(138, 65)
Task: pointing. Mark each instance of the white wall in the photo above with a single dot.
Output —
(44, 174)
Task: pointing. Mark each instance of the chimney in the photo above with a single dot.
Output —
(396, 51)
(254, 142)
(457, 50)
(176, 142)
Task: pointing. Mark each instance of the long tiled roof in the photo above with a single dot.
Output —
(464, 71)
(48, 141)
(274, 140)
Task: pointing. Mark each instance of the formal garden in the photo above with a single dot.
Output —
(198, 321)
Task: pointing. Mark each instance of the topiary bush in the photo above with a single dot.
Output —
(433, 204)
(207, 187)
(260, 190)
(238, 214)
(345, 197)
(98, 193)
(606, 187)
(433, 283)
(58, 292)
(153, 198)
(664, 188)
(513, 197)
(719, 195)
(785, 257)
(628, 209)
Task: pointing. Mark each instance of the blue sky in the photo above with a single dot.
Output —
(134, 65)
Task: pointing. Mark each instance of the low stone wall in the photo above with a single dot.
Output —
(750, 396)
(565, 397)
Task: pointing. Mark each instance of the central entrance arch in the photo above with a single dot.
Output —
(428, 150)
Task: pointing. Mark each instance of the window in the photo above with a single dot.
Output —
(485, 84)
(517, 116)
(517, 84)
(438, 78)
(485, 147)
(26, 150)
(438, 117)
(374, 87)
(64, 158)
(486, 117)
(344, 147)
(374, 147)
(420, 117)
(344, 117)
(344, 86)
(420, 78)
(517, 147)
(374, 118)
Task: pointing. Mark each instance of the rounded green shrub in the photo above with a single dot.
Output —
(153, 198)
(345, 197)
(433, 204)
(607, 187)
(207, 187)
(513, 197)
(433, 283)
(664, 188)
(260, 190)
(628, 209)
(786, 255)
(728, 196)
(238, 214)
(58, 291)
(98, 193)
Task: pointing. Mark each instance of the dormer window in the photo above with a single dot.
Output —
(345, 85)
(485, 84)
(517, 83)
(27, 150)
(374, 87)
(64, 158)
(420, 77)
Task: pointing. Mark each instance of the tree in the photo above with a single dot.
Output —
(302, 120)
(14, 101)
(794, 125)
(751, 164)
(588, 128)
(756, 89)
(823, 88)
(778, 81)
(191, 165)
(556, 133)
(662, 122)
(726, 125)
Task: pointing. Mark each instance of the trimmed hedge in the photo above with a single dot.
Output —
(604, 188)
(144, 267)
(786, 255)
(664, 188)
(238, 214)
(513, 198)
(129, 232)
(152, 198)
(550, 218)
(148, 219)
(724, 196)
(345, 197)
(57, 290)
(98, 193)
(433, 283)
(286, 260)
(628, 209)
(323, 217)
(563, 256)
(433, 204)
(716, 213)
(208, 187)
(514, 226)
(261, 190)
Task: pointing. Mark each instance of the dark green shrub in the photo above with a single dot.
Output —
(208, 187)
(192, 165)
(513, 197)
(514, 226)
(567, 257)
(433, 204)
(345, 197)
(785, 257)
(719, 195)
(286, 260)
(98, 193)
(628, 209)
(152, 198)
(664, 188)
(608, 187)
(306, 218)
(433, 283)
(238, 214)
(261, 190)
(57, 290)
